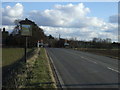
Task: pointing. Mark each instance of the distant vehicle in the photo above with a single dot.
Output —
(41, 44)
(66, 44)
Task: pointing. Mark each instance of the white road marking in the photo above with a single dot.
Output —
(82, 57)
(107, 67)
(97, 63)
(94, 62)
(89, 60)
(113, 70)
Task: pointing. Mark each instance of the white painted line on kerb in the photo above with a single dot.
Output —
(113, 70)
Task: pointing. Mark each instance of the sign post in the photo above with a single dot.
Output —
(25, 49)
(26, 31)
(38, 43)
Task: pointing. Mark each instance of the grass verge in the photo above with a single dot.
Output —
(35, 73)
(13, 66)
(39, 74)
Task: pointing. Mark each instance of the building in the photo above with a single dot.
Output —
(5, 35)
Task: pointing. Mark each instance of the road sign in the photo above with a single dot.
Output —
(26, 30)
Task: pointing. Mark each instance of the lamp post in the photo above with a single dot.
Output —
(59, 35)
(26, 31)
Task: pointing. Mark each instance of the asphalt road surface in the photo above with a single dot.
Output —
(78, 69)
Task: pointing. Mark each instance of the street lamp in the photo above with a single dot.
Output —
(59, 35)
(26, 31)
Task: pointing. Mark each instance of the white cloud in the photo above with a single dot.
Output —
(61, 15)
(0, 19)
(8, 28)
(9, 14)
(73, 10)
(79, 33)
(69, 20)
(70, 15)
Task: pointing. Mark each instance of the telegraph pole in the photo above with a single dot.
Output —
(59, 36)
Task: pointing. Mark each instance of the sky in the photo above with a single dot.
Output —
(80, 20)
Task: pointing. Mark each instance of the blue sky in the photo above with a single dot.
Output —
(98, 9)
(84, 20)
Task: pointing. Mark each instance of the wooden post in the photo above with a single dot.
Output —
(25, 49)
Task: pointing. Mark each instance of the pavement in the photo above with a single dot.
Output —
(84, 70)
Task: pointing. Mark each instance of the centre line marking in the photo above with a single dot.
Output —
(89, 60)
(113, 70)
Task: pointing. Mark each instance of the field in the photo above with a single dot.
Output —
(11, 55)
(37, 75)
(113, 53)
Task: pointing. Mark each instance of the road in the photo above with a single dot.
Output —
(78, 69)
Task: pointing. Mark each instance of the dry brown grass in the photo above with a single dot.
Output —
(113, 53)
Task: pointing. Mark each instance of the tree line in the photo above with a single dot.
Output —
(15, 39)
